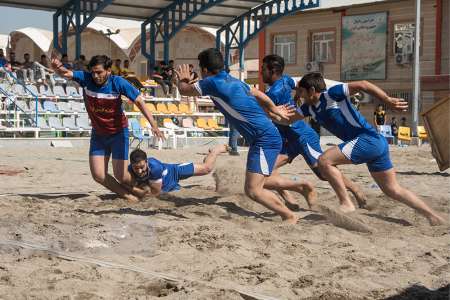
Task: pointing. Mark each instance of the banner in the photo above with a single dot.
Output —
(364, 40)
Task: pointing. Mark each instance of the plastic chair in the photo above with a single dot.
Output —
(59, 91)
(137, 133)
(64, 107)
(69, 122)
(168, 123)
(83, 122)
(50, 106)
(42, 123)
(162, 108)
(201, 123)
(184, 109)
(55, 123)
(213, 124)
(187, 123)
(151, 107)
(404, 134)
(73, 92)
(173, 109)
(386, 131)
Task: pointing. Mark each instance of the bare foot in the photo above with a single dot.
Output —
(361, 199)
(437, 220)
(131, 199)
(219, 149)
(310, 194)
(293, 219)
(347, 207)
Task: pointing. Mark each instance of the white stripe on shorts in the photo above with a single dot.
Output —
(348, 148)
(263, 162)
(313, 152)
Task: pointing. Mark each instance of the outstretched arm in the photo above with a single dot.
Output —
(278, 114)
(184, 77)
(59, 69)
(371, 89)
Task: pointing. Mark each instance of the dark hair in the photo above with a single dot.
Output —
(43, 55)
(64, 55)
(103, 60)
(82, 57)
(191, 65)
(313, 80)
(171, 61)
(211, 59)
(26, 54)
(126, 60)
(137, 155)
(274, 63)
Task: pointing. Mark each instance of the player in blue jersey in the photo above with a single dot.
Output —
(361, 142)
(241, 106)
(298, 138)
(152, 177)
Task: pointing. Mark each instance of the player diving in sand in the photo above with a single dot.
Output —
(151, 177)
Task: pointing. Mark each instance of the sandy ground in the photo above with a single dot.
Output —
(64, 237)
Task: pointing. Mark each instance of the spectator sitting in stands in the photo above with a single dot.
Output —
(157, 76)
(403, 122)
(194, 76)
(394, 129)
(14, 65)
(27, 68)
(168, 76)
(65, 62)
(81, 64)
(126, 68)
(44, 73)
(115, 69)
(3, 61)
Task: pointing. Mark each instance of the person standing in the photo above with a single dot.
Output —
(379, 116)
(109, 137)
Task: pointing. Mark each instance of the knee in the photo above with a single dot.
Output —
(99, 178)
(318, 173)
(251, 192)
(323, 164)
(392, 190)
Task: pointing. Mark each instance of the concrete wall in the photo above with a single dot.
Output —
(24, 44)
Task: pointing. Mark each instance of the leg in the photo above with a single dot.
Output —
(327, 167)
(99, 172)
(387, 181)
(254, 188)
(233, 140)
(291, 202)
(210, 160)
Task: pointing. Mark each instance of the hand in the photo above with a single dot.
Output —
(56, 63)
(398, 104)
(158, 133)
(183, 73)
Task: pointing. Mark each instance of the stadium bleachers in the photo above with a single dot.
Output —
(61, 109)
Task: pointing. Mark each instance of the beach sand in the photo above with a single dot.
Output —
(62, 236)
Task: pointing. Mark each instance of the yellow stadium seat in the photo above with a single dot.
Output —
(151, 107)
(184, 109)
(135, 108)
(404, 133)
(162, 108)
(144, 123)
(201, 123)
(173, 109)
(213, 124)
(422, 133)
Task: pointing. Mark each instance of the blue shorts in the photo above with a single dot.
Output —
(308, 147)
(175, 173)
(262, 155)
(104, 145)
(369, 149)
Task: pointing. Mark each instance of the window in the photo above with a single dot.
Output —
(285, 46)
(323, 46)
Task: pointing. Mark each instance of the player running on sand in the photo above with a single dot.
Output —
(109, 137)
(243, 111)
(151, 177)
(361, 142)
(298, 138)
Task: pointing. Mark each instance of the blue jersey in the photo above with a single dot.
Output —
(281, 93)
(234, 99)
(335, 112)
(104, 103)
(167, 174)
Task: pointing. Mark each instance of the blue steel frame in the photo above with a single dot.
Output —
(245, 27)
(78, 14)
(164, 24)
